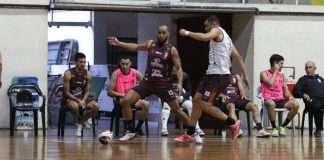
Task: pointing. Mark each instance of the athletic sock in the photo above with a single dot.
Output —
(191, 131)
(286, 122)
(139, 124)
(230, 121)
(129, 125)
(259, 126)
(273, 124)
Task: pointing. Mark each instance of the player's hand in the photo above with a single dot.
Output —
(179, 89)
(82, 104)
(182, 32)
(224, 97)
(113, 41)
(276, 67)
(306, 97)
(247, 98)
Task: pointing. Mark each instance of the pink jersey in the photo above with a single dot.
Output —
(274, 91)
(125, 82)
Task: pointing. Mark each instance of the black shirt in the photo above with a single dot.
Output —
(311, 85)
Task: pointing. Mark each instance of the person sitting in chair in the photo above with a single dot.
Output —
(310, 87)
(77, 85)
(235, 97)
(276, 94)
(122, 80)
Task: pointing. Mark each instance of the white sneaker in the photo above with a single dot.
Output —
(165, 133)
(87, 124)
(198, 140)
(200, 132)
(78, 132)
(127, 136)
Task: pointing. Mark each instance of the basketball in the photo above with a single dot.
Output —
(105, 137)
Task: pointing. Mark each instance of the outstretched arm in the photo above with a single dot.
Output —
(200, 36)
(129, 46)
(237, 57)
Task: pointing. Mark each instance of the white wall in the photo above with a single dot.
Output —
(24, 51)
(297, 38)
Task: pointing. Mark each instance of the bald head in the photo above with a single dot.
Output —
(310, 68)
(163, 27)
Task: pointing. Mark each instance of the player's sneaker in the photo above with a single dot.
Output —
(275, 132)
(263, 133)
(165, 133)
(198, 140)
(283, 131)
(240, 134)
(139, 132)
(128, 136)
(78, 132)
(185, 138)
(200, 132)
(87, 124)
(235, 129)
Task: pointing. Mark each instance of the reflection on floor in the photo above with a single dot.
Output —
(156, 147)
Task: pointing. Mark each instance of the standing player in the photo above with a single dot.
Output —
(217, 78)
(161, 57)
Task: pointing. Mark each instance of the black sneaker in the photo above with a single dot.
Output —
(318, 133)
(140, 133)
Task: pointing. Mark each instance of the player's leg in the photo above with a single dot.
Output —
(165, 114)
(144, 105)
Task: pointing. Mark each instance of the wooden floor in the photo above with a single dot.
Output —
(156, 148)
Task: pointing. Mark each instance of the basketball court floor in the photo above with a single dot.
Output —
(156, 147)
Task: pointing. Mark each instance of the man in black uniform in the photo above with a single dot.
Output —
(161, 57)
(310, 87)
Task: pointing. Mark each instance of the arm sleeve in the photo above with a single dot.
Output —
(298, 90)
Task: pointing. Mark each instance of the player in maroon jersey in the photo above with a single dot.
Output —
(161, 57)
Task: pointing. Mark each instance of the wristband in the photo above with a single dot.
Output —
(187, 33)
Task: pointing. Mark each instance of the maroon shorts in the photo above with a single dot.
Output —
(212, 85)
(145, 89)
(239, 103)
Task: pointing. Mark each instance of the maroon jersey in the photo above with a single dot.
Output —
(232, 89)
(78, 83)
(159, 64)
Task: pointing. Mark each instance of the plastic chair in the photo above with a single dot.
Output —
(24, 97)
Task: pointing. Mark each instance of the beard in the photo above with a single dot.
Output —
(162, 42)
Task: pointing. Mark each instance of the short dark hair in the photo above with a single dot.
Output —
(125, 57)
(276, 58)
(78, 56)
(213, 18)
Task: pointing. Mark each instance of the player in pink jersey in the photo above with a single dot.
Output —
(122, 80)
(276, 94)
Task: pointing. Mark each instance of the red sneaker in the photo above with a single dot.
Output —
(185, 138)
(235, 129)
